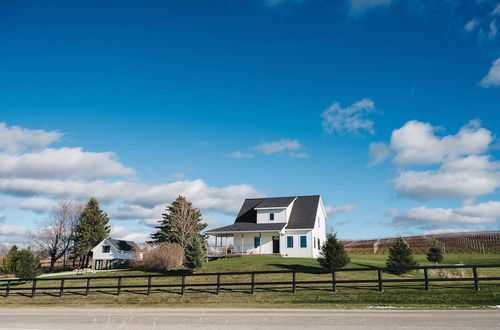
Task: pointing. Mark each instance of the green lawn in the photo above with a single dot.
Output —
(441, 295)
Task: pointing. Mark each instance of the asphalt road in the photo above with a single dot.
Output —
(155, 318)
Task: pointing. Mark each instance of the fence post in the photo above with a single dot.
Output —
(253, 284)
(426, 278)
(334, 281)
(149, 285)
(218, 283)
(88, 287)
(33, 289)
(7, 291)
(183, 285)
(294, 282)
(380, 283)
(61, 289)
(119, 287)
(476, 278)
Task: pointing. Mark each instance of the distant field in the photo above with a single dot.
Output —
(442, 295)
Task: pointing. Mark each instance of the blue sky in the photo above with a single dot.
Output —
(388, 109)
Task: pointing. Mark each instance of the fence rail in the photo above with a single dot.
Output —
(252, 284)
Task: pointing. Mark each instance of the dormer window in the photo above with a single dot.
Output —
(271, 216)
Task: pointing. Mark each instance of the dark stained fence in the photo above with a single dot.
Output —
(10, 285)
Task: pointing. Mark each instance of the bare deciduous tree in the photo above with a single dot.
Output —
(54, 234)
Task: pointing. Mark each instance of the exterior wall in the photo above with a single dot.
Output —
(297, 251)
(319, 230)
(245, 243)
(113, 253)
(279, 216)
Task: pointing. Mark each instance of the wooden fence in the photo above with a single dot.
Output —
(12, 284)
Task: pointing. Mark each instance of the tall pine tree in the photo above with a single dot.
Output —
(91, 229)
(400, 257)
(181, 224)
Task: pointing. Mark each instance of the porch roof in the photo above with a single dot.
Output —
(239, 227)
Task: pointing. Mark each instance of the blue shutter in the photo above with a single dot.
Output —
(303, 241)
(256, 241)
(289, 242)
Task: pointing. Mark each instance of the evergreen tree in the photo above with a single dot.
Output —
(400, 258)
(333, 255)
(91, 229)
(181, 224)
(11, 261)
(28, 266)
(194, 254)
(435, 254)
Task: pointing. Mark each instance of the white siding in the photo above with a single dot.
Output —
(113, 253)
(245, 243)
(297, 251)
(279, 216)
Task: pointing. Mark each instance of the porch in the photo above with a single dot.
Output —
(244, 244)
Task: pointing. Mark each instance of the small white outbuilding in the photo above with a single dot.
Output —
(111, 253)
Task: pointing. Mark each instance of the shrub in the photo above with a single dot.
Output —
(333, 254)
(194, 255)
(10, 261)
(400, 258)
(435, 254)
(159, 257)
(28, 265)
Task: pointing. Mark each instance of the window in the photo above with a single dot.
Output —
(289, 242)
(271, 216)
(314, 241)
(106, 249)
(319, 244)
(256, 241)
(303, 241)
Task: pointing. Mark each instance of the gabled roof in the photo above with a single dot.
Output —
(122, 245)
(302, 216)
(304, 211)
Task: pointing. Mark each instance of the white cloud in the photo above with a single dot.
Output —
(12, 234)
(493, 30)
(330, 210)
(446, 184)
(177, 176)
(379, 151)
(471, 25)
(298, 154)
(416, 144)
(492, 79)
(349, 120)
(360, 6)
(496, 11)
(278, 146)
(38, 205)
(227, 199)
(63, 162)
(14, 139)
(138, 236)
(239, 154)
(483, 213)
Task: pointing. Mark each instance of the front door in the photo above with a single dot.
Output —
(276, 244)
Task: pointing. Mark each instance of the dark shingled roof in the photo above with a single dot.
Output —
(247, 226)
(122, 245)
(303, 214)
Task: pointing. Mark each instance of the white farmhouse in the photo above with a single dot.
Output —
(111, 253)
(287, 226)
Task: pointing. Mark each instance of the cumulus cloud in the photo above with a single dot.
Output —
(37, 204)
(15, 139)
(492, 79)
(63, 162)
(227, 199)
(350, 120)
(478, 214)
(360, 6)
(379, 151)
(416, 143)
(278, 146)
(121, 232)
(330, 210)
(239, 154)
